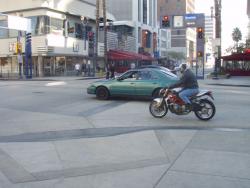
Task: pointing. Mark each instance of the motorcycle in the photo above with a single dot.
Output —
(202, 105)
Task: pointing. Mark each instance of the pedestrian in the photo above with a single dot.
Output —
(112, 70)
(84, 69)
(77, 69)
(107, 71)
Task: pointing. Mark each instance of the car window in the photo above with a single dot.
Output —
(130, 75)
(145, 75)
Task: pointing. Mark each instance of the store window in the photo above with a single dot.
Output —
(56, 26)
(40, 25)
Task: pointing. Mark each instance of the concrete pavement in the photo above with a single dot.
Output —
(151, 158)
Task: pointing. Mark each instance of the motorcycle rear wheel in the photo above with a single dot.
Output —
(207, 110)
(156, 110)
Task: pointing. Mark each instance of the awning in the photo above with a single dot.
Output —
(238, 57)
(118, 55)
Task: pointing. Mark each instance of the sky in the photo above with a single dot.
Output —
(234, 14)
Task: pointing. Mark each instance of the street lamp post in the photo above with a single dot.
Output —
(96, 34)
(105, 33)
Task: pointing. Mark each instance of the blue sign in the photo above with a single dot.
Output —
(190, 17)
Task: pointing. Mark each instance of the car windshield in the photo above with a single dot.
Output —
(169, 74)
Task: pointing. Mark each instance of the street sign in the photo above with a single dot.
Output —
(19, 23)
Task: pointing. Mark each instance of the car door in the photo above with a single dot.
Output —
(146, 83)
(125, 85)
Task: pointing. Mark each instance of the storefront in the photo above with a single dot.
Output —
(237, 64)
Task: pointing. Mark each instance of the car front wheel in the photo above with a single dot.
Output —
(102, 93)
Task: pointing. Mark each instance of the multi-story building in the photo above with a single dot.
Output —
(137, 20)
(209, 37)
(182, 40)
(209, 27)
(59, 37)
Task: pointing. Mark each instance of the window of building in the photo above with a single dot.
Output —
(145, 12)
(56, 26)
(40, 25)
(139, 10)
(3, 32)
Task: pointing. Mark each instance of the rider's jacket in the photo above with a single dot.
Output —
(187, 81)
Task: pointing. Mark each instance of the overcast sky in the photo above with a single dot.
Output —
(234, 14)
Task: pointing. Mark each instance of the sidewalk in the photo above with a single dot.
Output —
(52, 78)
(237, 81)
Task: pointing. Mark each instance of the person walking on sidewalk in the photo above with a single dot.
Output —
(77, 69)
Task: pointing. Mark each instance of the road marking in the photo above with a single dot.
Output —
(55, 84)
(104, 132)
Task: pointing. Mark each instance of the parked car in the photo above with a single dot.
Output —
(144, 82)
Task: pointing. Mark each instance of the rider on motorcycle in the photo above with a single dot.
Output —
(188, 83)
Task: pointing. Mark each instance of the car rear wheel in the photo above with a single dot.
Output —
(102, 93)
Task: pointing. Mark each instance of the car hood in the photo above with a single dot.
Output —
(104, 81)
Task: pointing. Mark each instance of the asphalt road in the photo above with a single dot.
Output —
(61, 113)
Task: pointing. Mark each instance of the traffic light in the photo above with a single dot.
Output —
(91, 37)
(199, 54)
(200, 32)
(165, 22)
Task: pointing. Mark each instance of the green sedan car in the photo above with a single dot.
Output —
(135, 82)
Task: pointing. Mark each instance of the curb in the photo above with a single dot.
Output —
(230, 85)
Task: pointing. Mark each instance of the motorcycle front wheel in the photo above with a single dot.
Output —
(206, 111)
(156, 110)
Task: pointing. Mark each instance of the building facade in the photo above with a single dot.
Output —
(139, 20)
(209, 38)
(59, 37)
(182, 40)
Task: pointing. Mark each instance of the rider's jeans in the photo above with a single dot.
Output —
(186, 93)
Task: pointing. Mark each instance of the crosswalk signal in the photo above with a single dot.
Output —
(200, 32)
(165, 22)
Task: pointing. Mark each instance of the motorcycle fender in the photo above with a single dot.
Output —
(158, 100)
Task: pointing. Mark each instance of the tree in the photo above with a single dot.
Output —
(236, 36)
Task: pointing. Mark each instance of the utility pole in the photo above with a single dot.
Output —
(217, 5)
(105, 32)
(96, 33)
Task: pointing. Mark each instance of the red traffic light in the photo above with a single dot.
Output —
(165, 18)
(199, 29)
(200, 32)
(199, 54)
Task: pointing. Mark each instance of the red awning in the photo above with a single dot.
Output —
(117, 55)
(237, 57)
